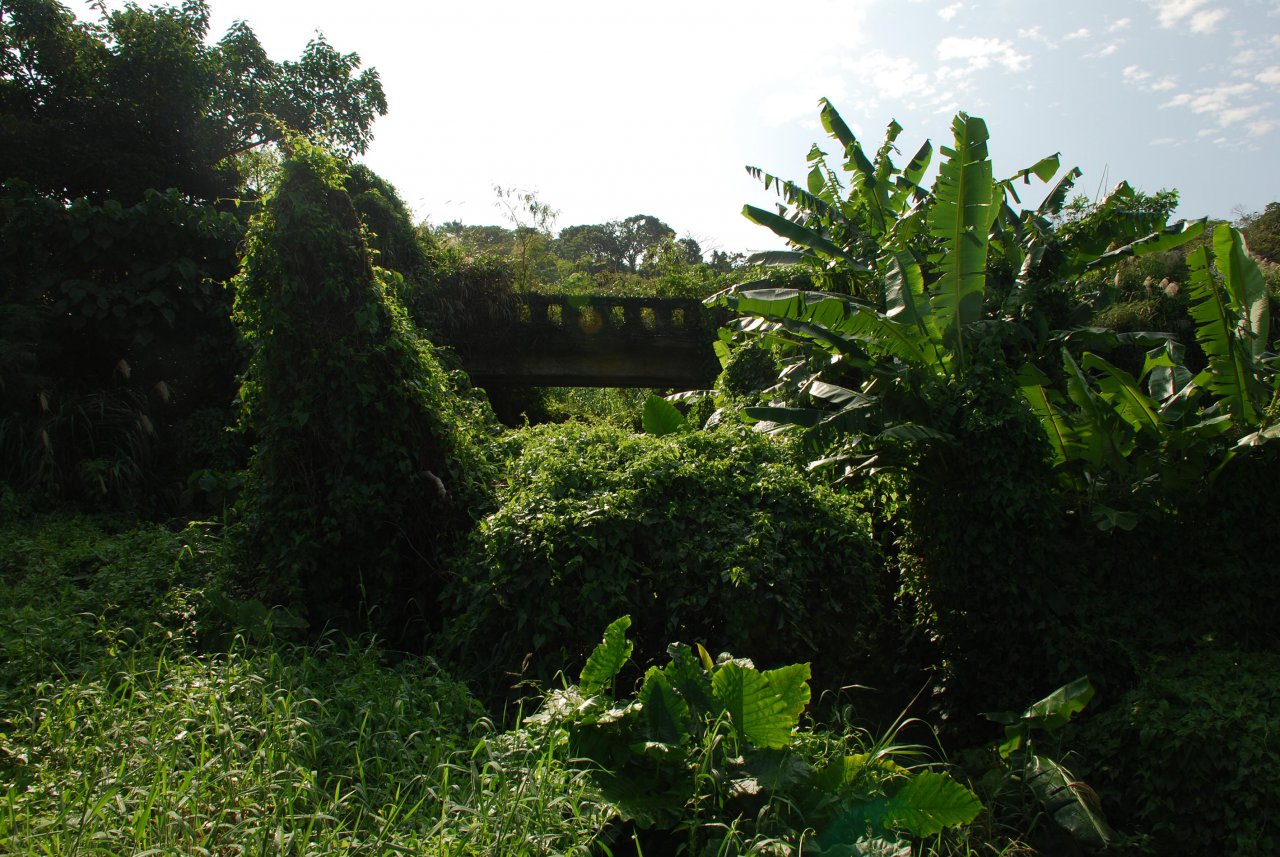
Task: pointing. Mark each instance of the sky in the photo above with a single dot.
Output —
(606, 109)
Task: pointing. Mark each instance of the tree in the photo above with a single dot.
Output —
(1262, 231)
(532, 221)
(139, 100)
(638, 239)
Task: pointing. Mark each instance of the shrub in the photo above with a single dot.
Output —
(698, 535)
(367, 463)
(1189, 756)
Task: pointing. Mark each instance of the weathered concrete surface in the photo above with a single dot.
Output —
(573, 341)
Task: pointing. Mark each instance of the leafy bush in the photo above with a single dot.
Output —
(699, 535)
(986, 563)
(367, 461)
(711, 753)
(1189, 756)
(113, 323)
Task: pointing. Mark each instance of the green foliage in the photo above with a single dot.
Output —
(661, 417)
(367, 461)
(76, 586)
(122, 732)
(1114, 441)
(713, 753)
(703, 535)
(112, 328)
(1262, 230)
(141, 100)
(984, 545)
(1188, 756)
(1071, 804)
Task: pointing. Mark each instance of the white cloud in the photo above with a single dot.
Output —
(1171, 13)
(1269, 75)
(1226, 105)
(1207, 21)
(1082, 33)
(1137, 76)
(979, 53)
(946, 13)
(1232, 115)
(1117, 26)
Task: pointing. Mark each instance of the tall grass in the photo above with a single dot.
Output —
(136, 739)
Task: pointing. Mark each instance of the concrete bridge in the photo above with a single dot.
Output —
(594, 341)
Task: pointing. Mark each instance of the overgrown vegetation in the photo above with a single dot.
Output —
(367, 463)
(963, 452)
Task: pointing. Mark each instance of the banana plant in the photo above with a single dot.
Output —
(1073, 806)
(910, 289)
(1110, 437)
(710, 745)
(927, 254)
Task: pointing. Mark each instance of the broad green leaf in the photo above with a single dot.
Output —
(1121, 389)
(929, 802)
(1049, 714)
(847, 770)
(607, 658)
(785, 416)
(802, 236)
(1062, 436)
(816, 180)
(764, 707)
(906, 301)
(1103, 435)
(833, 318)
(961, 218)
(1227, 375)
(1072, 804)
(690, 678)
(836, 395)
(661, 417)
(1173, 235)
(907, 185)
(777, 257)
(1043, 169)
(664, 713)
(1243, 280)
(834, 125)
(1056, 710)
(1055, 199)
(1164, 371)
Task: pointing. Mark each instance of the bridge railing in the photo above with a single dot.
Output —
(599, 341)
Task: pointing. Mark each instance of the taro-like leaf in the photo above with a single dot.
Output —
(661, 417)
(689, 678)
(930, 801)
(664, 714)
(607, 659)
(763, 706)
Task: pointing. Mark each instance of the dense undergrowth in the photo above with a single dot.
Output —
(961, 455)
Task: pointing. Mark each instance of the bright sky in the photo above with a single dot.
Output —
(609, 109)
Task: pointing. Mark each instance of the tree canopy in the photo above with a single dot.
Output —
(141, 100)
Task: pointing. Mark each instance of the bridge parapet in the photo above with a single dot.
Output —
(598, 341)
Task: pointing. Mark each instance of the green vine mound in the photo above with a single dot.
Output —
(698, 535)
(368, 461)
